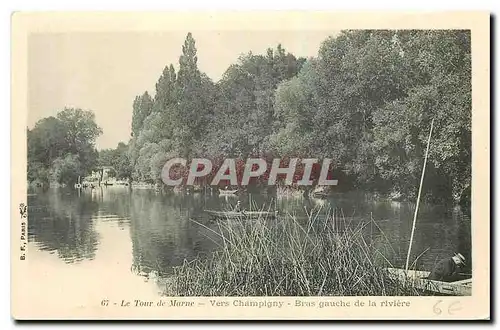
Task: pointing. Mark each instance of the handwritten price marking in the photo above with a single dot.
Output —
(453, 307)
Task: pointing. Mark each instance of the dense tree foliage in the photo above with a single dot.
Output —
(438, 65)
(366, 101)
(243, 119)
(141, 110)
(62, 148)
(177, 117)
(117, 158)
(191, 116)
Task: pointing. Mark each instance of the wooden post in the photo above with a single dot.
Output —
(418, 198)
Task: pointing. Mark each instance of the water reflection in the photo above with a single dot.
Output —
(161, 232)
(155, 233)
(62, 223)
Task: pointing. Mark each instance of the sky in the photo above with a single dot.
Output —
(104, 72)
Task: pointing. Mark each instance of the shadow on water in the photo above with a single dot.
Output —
(66, 222)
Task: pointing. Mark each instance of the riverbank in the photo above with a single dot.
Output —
(283, 257)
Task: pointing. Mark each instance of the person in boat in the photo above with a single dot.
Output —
(448, 268)
(237, 208)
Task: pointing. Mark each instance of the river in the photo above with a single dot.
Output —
(115, 235)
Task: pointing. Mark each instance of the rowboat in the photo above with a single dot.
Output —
(240, 214)
(228, 192)
(419, 280)
(319, 192)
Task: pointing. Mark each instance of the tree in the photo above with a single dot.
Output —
(141, 109)
(245, 97)
(441, 90)
(367, 101)
(47, 141)
(119, 159)
(60, 144)
(165, 90)
(81, 132)
(66, 170)
(194, 104)
(295, 107)
(182, 111)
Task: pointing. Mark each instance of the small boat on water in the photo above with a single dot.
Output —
(419, 280)
(228, 192)
(319, 192)
(241, 214)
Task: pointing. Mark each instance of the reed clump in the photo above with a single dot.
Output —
(321, 256)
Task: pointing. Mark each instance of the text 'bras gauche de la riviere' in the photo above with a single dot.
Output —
(341, 302)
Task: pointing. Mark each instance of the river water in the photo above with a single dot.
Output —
(120, 235)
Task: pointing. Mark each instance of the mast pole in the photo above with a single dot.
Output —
(418, 198)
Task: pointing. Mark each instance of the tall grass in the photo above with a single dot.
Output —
(282, 257)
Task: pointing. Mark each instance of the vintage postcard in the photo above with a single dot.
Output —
(250, 165)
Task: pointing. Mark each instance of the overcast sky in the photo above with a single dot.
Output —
(104, 72)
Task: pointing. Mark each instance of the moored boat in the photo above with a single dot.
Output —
(228, 192)
(419, 279)
(241, 214)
